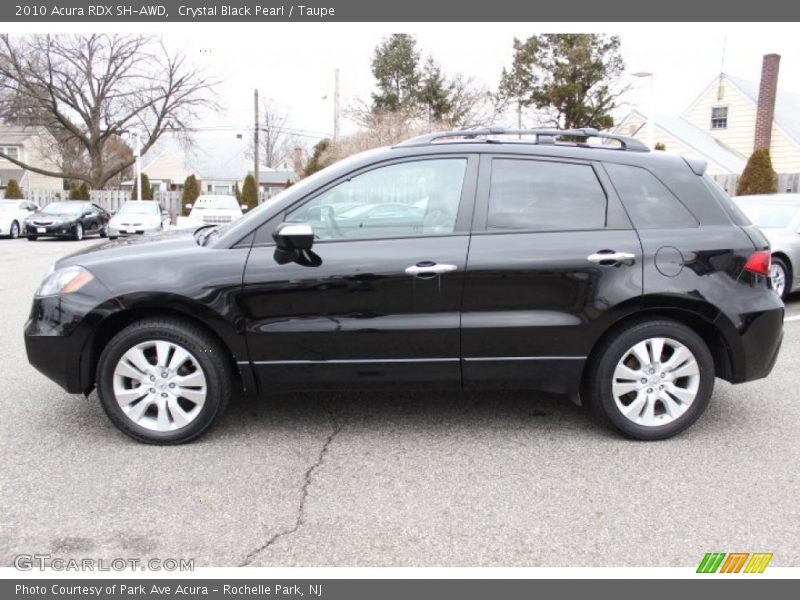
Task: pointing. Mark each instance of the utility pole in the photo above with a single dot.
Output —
(336, 104)
(137, 150)
(255, 142)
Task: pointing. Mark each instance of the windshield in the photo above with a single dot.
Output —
(769, 214)
(139, 208)
(8, 206)
(64, 208)
(216, 202)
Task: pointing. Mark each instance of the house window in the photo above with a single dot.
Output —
(12, 151)
(719, 117)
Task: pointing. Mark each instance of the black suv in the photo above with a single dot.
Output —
(454, 260)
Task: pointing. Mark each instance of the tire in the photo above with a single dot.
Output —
(104, 231)
(78, 235)
(31, 238)
(661, 407)
(151, 419)
(13, 232)
(781, 277)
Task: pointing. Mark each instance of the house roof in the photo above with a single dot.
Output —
(787, 106)
(14, 134)
(697, 139)
(275, 176)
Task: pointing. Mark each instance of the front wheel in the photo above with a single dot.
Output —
(14, 231)
(163, 381)
(651, 380)
(104, 231)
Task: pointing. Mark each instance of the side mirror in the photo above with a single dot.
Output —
(243, 207)
(188, 206)
(294, 236)
(293, 242)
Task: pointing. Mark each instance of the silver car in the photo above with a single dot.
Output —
(778, 216)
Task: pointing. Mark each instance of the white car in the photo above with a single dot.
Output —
(211, 209)
(137, 217)
(12, 216)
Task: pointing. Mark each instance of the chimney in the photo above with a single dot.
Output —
(297, 155)
(767, 90)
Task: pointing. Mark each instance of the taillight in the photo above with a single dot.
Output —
(759, 262)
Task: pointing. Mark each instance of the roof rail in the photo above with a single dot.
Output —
(543, 136)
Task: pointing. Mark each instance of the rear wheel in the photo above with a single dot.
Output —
(779, 273)
(78, 235)
(651, 380)
(104, 231)
(163, 381)
(14, 231)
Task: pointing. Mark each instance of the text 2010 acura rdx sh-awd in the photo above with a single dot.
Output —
(542, 263)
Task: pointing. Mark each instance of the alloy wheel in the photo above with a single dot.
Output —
(655, 381)
(14, 230)
(778, 276)
(159, 385)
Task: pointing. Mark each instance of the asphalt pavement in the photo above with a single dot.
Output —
(391, 479)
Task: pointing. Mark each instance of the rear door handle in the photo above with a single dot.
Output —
(610, 258)
(428, 268)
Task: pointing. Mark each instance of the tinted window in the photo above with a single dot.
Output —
(541, 195)
(649, 202)
(410, 198)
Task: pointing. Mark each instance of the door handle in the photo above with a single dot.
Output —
(427, 268)
(610, 258)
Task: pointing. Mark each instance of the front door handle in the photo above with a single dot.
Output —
(429, 268)
(610, 258)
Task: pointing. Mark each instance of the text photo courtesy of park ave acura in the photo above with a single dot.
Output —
(364, 297)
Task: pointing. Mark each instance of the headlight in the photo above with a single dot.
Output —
(64, 281)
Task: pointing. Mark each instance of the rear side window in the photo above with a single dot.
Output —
(650, 204)
(546, 196)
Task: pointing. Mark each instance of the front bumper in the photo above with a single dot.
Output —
(61, 230)
(59, 331)
(122, 231)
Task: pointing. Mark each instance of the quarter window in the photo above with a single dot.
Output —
(650, 204)
(719, 117)
(547, 196)
(404, 199)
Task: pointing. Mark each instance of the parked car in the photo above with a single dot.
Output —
(68, 219)
(138, 217)
(12, 215)
(778, 216)
(625, 276)
(210, 209)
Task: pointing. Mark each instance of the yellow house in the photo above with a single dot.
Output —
(728, 119)
(32, 146)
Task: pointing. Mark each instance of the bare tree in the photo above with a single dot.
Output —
(86, 91)
(275, 141)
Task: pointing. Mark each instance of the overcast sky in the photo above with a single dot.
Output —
(293, 63)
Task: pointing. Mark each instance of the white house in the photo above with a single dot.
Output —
(28, 145)
(728, 120)
(218, 163)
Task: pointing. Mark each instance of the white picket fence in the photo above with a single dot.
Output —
(788, 183)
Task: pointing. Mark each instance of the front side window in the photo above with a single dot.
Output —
(719, 117)
(546, 196)
(405, 199)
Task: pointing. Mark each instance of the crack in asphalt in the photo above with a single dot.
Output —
(301, 509)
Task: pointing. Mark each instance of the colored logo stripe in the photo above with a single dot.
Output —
(711, 562)
(758, 562)
(734, 562)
